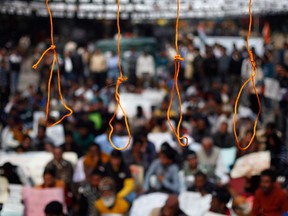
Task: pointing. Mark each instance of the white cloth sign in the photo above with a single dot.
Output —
(159, 138)
(33, 163)
(143, 205)
(251, 164)
(13, 206)
(272, 88)
(194, 204)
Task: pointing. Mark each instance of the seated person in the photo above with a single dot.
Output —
(190, 168)
(136, 155)
(70, 146)
(269, 199)
(88, 193)
(41, 139)
(120, 173)
(201, 184)
(109, 202)
(211, 163)
(63, 168)
(171, 208)
(50, 180)
(220, 198)
(94, 159)
(162, 174)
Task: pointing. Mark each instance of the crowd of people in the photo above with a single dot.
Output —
(102, 181)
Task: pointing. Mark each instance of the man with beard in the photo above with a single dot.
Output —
(109, 203)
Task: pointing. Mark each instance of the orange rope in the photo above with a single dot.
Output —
(120, 79)
(55, 60)
(251, 78)
(177, 59)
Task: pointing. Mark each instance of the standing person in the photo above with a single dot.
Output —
(223, 64)
(210, 66)
(78, 65)
(15, 61)
(269, 199)
(234, 69)
(4, 81)
(113, 71)
(189, 63)
(145, 68)
(197, 65)
(98, 68)
(68, 67)
(131, 59)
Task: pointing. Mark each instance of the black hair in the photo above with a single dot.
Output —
(271, 125)
(97, 172)
(199, 173)
(54, 207)
(42, 127)
(51, 171)
(270, 173)
(222, 195)
(68, 133)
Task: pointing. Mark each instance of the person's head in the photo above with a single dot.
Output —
(137, 146)
(220, 198)
(207, 144)
(27, 142)
(54, 208)
(58, 153)
(69, 137)
(41, 132)
(94, 150)
(223, 129)
(171, 206)
(270, 127)
(107, 191)
(116, 158)
(49, 178)
(139, 111)
(82, 129)
(49, 146)
(201, 124)
(267, 180)
(192, 159)
(97, 51)
(95, 178)
(167, 154)
(200, 180)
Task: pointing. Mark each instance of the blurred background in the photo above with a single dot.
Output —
(73, 163)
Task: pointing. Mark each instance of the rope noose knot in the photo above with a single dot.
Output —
(253, 63)
(52, 47)
(178, 58)
(121, 79)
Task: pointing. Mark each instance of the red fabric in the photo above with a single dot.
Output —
(274, 204)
